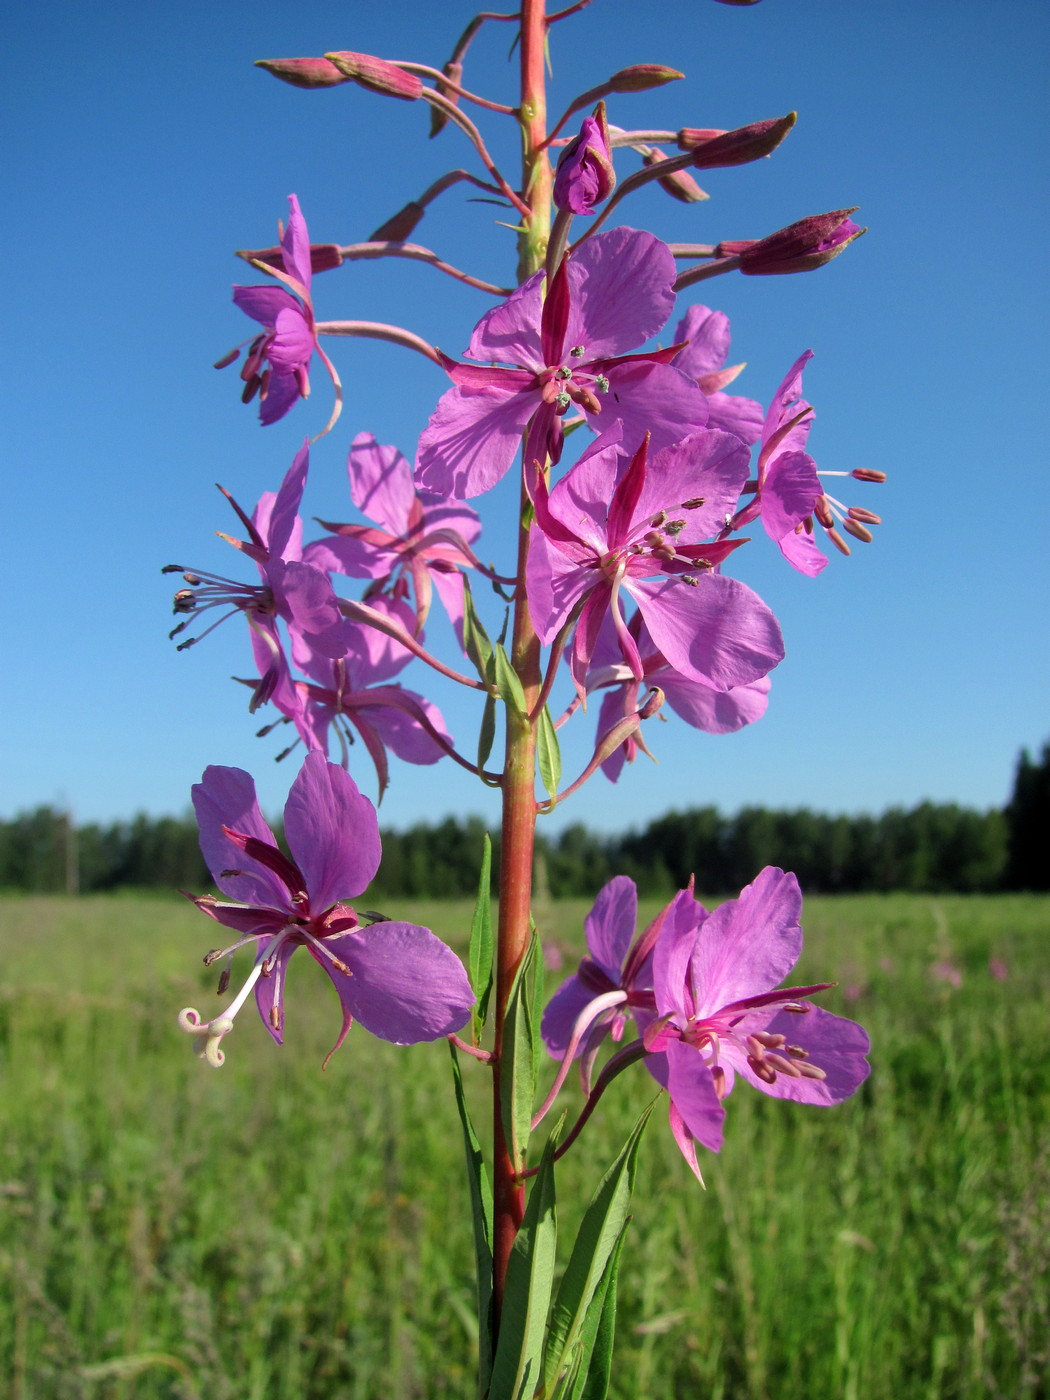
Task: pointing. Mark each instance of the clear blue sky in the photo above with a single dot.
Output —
(143, 147)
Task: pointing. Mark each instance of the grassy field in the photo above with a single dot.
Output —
(267, 1232)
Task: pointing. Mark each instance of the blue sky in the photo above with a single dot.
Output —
(143, 148)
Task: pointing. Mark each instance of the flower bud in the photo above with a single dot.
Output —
(738, 147)
(640, 77)
(303, 72)
(399, 226)
(377, 75)
(679, 184)
(585, 175)
(323, 256)
(439, 119)
(800, 247)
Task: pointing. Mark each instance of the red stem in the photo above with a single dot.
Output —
(519, 781)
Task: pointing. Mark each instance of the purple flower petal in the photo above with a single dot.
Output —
(264, 304)
(295, 246)
(381, 483)
(610, 924)
(226, 797)
(719, 632)
(471, 440)
(406, 985)
(621, 292)
(332, 832)
(749, 944)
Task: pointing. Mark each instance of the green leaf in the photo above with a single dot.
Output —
(475, 639)
(526, 1297)
(508, 683)
(487, 731)
(599, 1334)
(479, 956)
(548, 754)
(520, 1056)
(600, 1229)
(481, 1212)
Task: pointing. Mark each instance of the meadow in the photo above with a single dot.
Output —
(270, 1231)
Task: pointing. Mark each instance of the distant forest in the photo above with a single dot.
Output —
(934, 847)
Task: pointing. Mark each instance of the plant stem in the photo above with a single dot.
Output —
(519, 780)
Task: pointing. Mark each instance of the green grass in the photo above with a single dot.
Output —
(269, 1232)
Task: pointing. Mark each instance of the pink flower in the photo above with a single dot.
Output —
(788, 488)
(615, 527)
(720, 1012)
(298, 593)
(707, 335)
(400, 981)
(421, 538)
(278, 362)
(568, 349)
(616, 961)
(352, 696)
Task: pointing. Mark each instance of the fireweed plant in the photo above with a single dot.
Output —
(623, 592)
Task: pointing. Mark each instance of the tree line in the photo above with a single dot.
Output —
(934, 847)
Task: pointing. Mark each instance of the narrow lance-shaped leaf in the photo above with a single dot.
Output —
(481, 1213)
(520, 1057)
(479, 955)
(530, 1275)
(600, 1229)
(475, 639)
(599, 1335)
(508, 683)
(548, 754)
(487, 734)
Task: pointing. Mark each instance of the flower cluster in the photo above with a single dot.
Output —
(630, 540)
(704, 991)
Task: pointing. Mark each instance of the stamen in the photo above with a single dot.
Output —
(769, 1039)
(810, 1072)
(577, 352)
(839, 543)
(763, 1070)
(694, 503)
(787, 1067)
(867, 516)
(859, 532)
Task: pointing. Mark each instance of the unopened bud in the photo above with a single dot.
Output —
(800, 247)
(679, 184)
(438, 118)
(323, 256)
(400, 226)
(585, 175)
(304, 72)
(377, 75)
(640, 77)
(739, 147)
